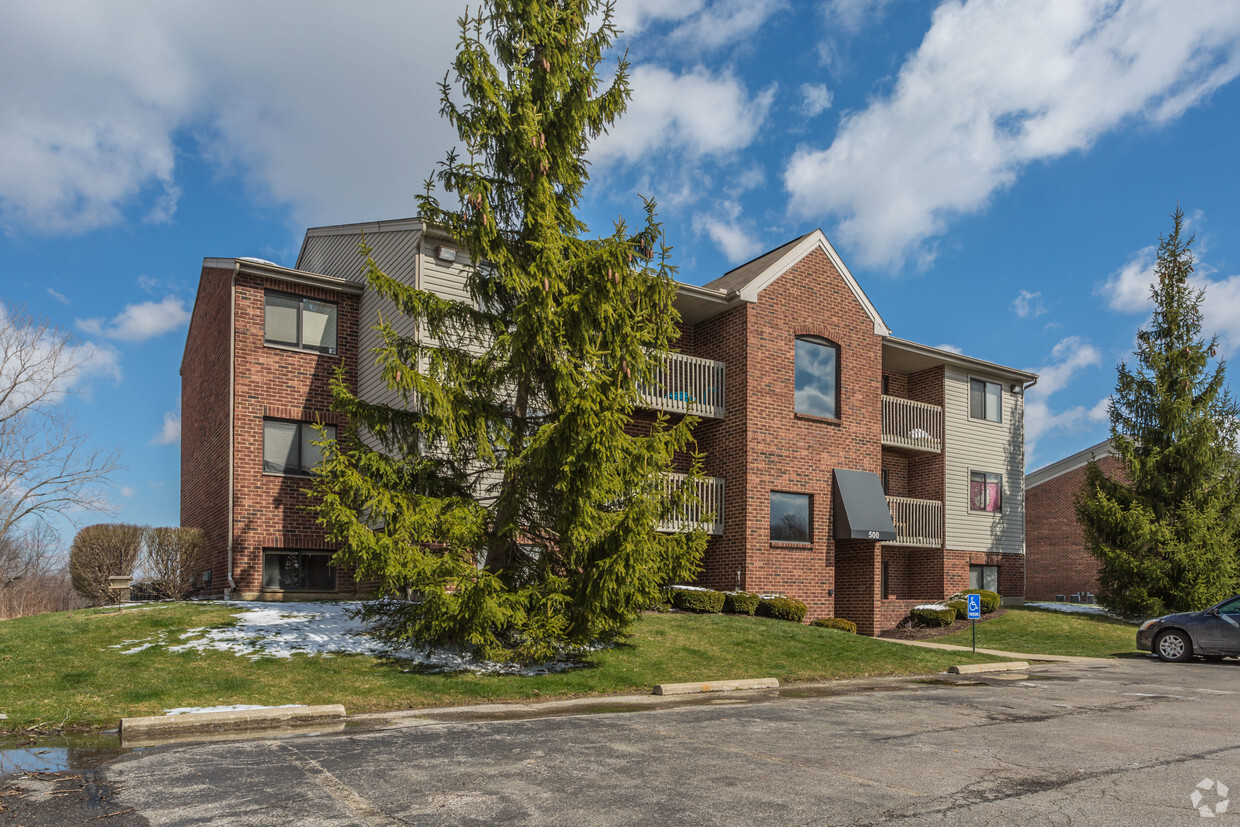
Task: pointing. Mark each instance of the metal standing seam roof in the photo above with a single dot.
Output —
(860, 507)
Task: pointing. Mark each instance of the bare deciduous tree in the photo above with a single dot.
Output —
(100, 552)
(33, 578)
(47, 465)
(173, 561)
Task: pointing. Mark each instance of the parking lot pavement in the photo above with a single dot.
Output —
(1066, 744)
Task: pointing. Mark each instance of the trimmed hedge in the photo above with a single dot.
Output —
(835, 623)
(960, 605)
(990, 600)
(782, 608)
(694, 600)
(934, 617)
(664, 601)
(740, 603)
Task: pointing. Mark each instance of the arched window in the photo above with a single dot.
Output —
(817, 377)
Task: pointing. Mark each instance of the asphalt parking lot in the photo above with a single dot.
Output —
(1125, 744)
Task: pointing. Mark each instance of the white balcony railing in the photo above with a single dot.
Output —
(706, 514)
(918, 522)
(909, 424)
(686, 384)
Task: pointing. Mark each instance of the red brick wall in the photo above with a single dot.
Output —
(1058, 560)
(786, 451)
(204, 422)
(271, 382)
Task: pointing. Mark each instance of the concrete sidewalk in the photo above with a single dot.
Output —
(926, 644)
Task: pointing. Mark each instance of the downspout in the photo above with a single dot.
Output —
(232, 409)
(1024, 506)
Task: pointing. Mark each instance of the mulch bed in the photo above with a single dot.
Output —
(906, 631)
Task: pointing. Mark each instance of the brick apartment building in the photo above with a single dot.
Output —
(1058, 563)
(855, 471)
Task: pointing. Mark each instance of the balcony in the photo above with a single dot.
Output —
(918, 522)
(706, 514)
(687, 385)
(912, 426)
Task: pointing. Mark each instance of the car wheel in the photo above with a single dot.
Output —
(1174, 646)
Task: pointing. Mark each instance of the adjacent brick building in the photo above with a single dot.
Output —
(1058, 563)
(855, 471)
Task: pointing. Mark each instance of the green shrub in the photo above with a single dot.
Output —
(930, 616)
(960, 605)
(697, 600)
(835, 623)
(663, 603)
(782, 608)
(740, 603)
(990, 600)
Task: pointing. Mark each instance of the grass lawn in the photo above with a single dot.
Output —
(1047, 632)
(58, 668)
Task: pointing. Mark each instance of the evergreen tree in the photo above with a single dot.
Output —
(1165, 530)
(513, 496)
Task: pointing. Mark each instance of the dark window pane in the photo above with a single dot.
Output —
(318, 573)
(280, 319)
(280, 571)
(790, 517)
(985, 400)
(977, 399)
(816, 391)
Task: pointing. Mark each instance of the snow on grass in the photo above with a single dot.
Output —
(194, 710)
(266, 630)
(1070, 608)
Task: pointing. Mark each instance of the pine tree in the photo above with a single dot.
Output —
(513, 496)
(1165, 530)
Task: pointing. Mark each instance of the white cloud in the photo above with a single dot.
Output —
(815, 99)
(733, 236)
(324, 111)
(1028, 305)
(1128, 288)
(50, 364)
(697, 113)
(139, 322)
(632, 16)
(127, 492)
(171, 430)
(58, 296)
(951, 348)
(854, 15)
(994, 87)
(1068, 359)
(724, 23)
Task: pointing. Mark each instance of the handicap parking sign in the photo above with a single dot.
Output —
(975, 606)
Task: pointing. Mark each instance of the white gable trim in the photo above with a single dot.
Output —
(816, 239)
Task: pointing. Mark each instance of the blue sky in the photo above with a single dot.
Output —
(995, 174)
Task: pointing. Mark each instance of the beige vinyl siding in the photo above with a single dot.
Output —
(992, 447)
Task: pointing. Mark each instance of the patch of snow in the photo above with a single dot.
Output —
(1071, 608)
(322, 629)
(257, 260)
(194, 710)
(772, 595)
(690, 589)
(932, 606)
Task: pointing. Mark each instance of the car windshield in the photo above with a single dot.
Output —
(1231, 607)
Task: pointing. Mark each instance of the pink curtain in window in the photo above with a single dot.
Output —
(984, 496)
(992, 496)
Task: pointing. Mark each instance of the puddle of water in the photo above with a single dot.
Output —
(58, 753)
(945, 682)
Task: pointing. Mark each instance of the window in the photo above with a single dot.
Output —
(817, 378)
(1231, 607)
(886, 385)
(298, 571)
(288, 447)
(299, 322)
(984, 577)
(985, 491)
(790, 518)
(985, 400)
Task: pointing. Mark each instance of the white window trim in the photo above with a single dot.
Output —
(968, 402)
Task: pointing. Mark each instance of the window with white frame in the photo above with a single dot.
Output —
(985, 491)
(286, 570)
(288, 447)
(985, 400)
(296, 321)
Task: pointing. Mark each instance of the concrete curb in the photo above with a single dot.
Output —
(972, 668)
(951, 647)
(154, 726)
(714, 686)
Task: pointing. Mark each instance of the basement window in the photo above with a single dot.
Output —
(298, 571)
(984, 577)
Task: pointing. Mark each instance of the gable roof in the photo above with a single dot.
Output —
(1069, 463)
(753, 277)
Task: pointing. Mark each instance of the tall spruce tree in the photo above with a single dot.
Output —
(1165, 531)
(513, 496)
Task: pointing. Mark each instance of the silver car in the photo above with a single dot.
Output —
(1213, 633)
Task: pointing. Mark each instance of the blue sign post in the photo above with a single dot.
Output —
(975, 613)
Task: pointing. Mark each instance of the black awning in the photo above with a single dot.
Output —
(860, 507)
